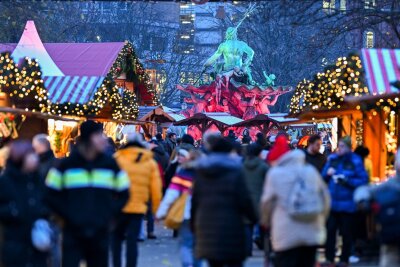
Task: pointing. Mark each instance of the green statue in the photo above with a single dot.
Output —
(233, 50)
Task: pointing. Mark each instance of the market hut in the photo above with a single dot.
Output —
(101, 81)
(157, 118)
(360, 92)
(204, 121)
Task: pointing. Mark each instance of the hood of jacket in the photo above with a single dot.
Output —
(136, 154)
(292, 157)
(252, 163)
(217, 163)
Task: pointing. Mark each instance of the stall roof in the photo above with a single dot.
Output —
(88, 59)
(146, 113)
(73, 89)
(282, 118)
(382, 67)
(31, 45)
(217, 117)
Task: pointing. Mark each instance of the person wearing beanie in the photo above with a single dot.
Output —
(294, 240)
(280, 148)
(87, 190)
(182, 182)
(145, 187)
(344, 172)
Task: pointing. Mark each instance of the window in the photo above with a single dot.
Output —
(369, 4)
(369, 39)
(343, 5)
(328, 5)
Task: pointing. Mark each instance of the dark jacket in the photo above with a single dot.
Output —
(220, 203)
(352, 167)
(21, 204)
(161, 157)
(87, 194)
(318, 160)
(169, 146)
(255, 170)
(47, 161)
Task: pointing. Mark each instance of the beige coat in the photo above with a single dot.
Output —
(286, 232)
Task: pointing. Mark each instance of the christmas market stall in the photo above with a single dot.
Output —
(206, 121)
(359, 93)
(100, 81)
(158, 119)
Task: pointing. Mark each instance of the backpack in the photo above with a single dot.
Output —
(387, 209)
(305, 201)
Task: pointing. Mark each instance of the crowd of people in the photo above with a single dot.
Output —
(228, 194)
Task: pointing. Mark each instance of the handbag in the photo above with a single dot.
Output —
(175, 215)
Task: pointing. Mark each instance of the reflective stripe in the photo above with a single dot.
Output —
(103, 178)
(81, 178)
(122, 182)
(54, 179)
(76, 178)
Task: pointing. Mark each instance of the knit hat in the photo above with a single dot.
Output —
(280, 148)
(88, 128)
(346, 140)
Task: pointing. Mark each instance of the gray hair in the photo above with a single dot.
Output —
(42, 139)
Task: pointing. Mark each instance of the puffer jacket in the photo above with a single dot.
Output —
(352, 167)
(220, 203)
(288, 233)
(144, 176)
(255, 170)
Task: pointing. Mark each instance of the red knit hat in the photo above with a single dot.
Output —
(280, 148)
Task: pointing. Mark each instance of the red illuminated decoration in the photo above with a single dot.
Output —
(238, 99)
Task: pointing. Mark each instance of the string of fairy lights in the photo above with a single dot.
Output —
(126, 61)
(24, 82)
(328, 89)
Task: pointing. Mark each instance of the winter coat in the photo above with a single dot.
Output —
(318, 160)
(352, 167)
(87, 195)
(144, 176)
(181, 183)
(169, 146)
(220, 203)
(255, 170)
(46, 162)
(286, 232)
(21, 204)
(161, 157)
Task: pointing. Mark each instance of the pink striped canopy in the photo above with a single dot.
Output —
(382, 67)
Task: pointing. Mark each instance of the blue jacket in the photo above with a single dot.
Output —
(352, 167)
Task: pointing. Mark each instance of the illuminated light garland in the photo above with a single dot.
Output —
(126, 61)
(328, 89)
(25, 82)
